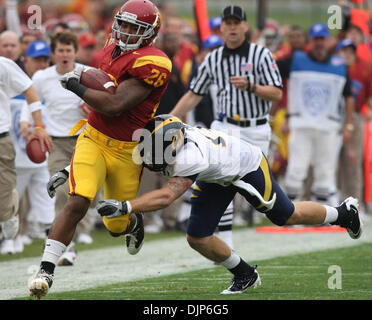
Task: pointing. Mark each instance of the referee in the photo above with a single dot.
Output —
(248, 80)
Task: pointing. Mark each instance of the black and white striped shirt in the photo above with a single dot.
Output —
(250, 60)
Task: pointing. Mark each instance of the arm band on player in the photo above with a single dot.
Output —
(76, 87)
(35, 106)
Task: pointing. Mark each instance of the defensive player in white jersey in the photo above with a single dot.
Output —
(221, 165)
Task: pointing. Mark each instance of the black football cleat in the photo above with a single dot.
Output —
(242, 283)
(348, 217)
(134, 240)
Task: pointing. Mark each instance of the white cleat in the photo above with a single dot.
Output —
(68, 258)
(7, 247)
(84, 238)
(41, 284)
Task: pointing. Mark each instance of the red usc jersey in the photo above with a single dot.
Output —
(148, 64)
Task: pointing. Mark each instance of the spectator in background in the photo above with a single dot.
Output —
(102, 38)
(37, 57)
(271, 36)
(58, 28)
(351, 157)
(355, 34)
(10, 47)
(94, 13)
(318, 83)
(76, 23)
(169, 43)
(187, 50)
(53, 26)
(214, 25)
(25, 41)
(297, 40)
(86, 48)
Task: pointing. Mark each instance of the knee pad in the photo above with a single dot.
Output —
(117, 225)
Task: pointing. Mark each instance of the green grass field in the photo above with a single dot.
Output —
(295, 277)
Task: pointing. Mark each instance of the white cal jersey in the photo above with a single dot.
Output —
(214, 157)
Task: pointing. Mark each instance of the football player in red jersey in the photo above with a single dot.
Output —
(103, 151)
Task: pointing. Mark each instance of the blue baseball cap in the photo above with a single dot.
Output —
(212, 42)
(345, 43)
(38, 49)
(215, 23)
(318, 30)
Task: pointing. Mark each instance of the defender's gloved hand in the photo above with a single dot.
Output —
(113, 208)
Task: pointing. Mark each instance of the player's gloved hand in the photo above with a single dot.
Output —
(113, 208)
(74, 74)
(55, 181)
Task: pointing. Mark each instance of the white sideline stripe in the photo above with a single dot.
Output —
(162, 257)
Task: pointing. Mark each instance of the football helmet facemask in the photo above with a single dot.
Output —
(141, 13)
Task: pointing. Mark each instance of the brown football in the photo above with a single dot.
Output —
(33, 150)
(97, 79)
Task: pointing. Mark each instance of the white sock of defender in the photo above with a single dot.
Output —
(53, 250)
(331, 214)
(232, 261)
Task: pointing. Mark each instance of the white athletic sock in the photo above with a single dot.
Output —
(232, 261)
(331, 214)
(53, 250)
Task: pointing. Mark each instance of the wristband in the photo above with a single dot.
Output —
(129, 207)
(38, 127)
(76, 87)
(35, 106)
